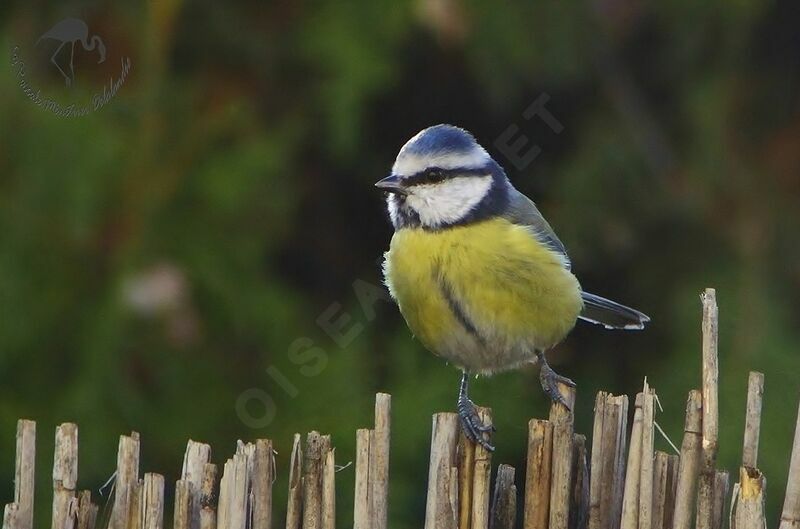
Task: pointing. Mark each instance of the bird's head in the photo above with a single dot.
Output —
(443, 177)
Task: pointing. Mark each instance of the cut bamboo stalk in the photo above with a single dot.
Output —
(127, 477)
(181, 514)
(466, 470)
(379, 476)
(646, 469)
(721, 488)
(481, 478)
(689, 462)
(239, 515)
(579, 510)
(537, 479)
(710, 423)
(748, 513)
(660, 476)
(65, 476)
(194, 459)
(87, 511)
(11, 516)
(136, 512)
(329, 490)
(630, 499)
(504, 500)
(316, 446)
(208, 500)
(262, 477)
(24, 473)
(442, 510)
(672, 484)
(294, 506)
(790, 516)
(608, 461)
(752, 426)
(362, 510)
(153, 501)
(561, 467)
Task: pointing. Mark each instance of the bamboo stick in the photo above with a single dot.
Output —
(660, 476)
(752, 427)
(11, 516)
(87, 511)
(790, 516)
(608, 461)
(208, 500)
(24, 473)
(630, 499)
(65, 476)
(362, 510)
(442, 511)
(294, 506)
(537, 479)
(153, 501)
(748, 513)
(721, 488)
(561, 467)
(182, 513)
(329, 490)
(710, 423)
(136, 512)
(481, 478)
(127, 477)
(673, 464)
(379, 475)
(689, 462)
(317, 447)
(504, 500)
(194, 459)
(646, 469)
(579, 510)
(466, 470)
(261, 481)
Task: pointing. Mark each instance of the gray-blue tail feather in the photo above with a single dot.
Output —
(610, 314)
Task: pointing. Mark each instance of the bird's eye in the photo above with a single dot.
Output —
(434, 175)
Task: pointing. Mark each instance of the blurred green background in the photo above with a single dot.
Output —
(162, 257)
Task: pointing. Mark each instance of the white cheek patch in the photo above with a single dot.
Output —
(448, 201)
(410, 164)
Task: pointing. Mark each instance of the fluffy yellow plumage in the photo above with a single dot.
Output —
(485, 295)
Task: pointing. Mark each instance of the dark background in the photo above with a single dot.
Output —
(161, 257)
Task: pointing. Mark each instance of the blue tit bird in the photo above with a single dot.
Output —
(479, 275)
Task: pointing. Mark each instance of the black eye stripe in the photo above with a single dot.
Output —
(434, 175)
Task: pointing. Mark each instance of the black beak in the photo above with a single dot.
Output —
(391, 184)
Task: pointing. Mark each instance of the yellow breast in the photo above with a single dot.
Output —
(485, 295)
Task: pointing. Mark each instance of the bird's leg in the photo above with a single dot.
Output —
(550, 380)
(53, 60)
(470, 420)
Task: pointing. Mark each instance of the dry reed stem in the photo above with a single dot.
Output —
(127, 477)
(65, 476)
(153, 501)
(561, 467)
(442, 510)
(630, 498)
(294, 506)
(748, 494)
(790, 516)
(379, 476)
(710, 423)
(263, 474)
(579, 508)
(24, 473)
(537, 478)
(752, 426)
(504, 500)
(481, 477)
(362, 510)
(689, 462)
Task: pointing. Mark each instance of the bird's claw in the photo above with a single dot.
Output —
(550, 380)
(474, 428)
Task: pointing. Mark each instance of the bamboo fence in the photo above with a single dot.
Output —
(617, 482)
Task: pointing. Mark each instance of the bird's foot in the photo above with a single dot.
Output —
(471, 423)
(550, 380)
